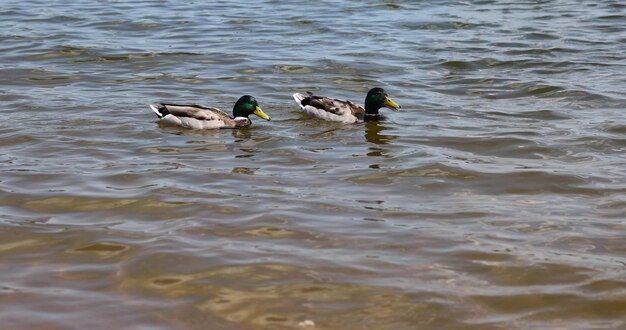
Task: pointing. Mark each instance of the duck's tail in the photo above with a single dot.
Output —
(160, 110)
(299, 98)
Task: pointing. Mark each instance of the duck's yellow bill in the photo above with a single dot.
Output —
(389, 103)
(259, 112)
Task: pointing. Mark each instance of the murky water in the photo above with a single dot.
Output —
(495, 200)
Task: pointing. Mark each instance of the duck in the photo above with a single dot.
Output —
(197, 116)
(346, 111)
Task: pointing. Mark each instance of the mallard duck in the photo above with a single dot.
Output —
(346, 111)
(203, 117)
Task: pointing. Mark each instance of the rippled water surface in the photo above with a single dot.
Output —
(495, 200)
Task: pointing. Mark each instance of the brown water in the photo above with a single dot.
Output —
(495, 200)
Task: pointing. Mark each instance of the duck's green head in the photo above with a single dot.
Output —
(247, 105)
(377, 98)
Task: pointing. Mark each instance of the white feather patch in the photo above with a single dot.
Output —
(171, 120)
(200, 124)
(347, 117)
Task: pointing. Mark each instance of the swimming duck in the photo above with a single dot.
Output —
(346, 111)
(204, 117)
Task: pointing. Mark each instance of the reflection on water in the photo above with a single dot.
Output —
(241, 134)
(373, 133)
(498, 205)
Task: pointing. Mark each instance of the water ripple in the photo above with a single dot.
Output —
(493, 200)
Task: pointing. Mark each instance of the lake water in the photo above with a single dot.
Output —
(496, 199)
